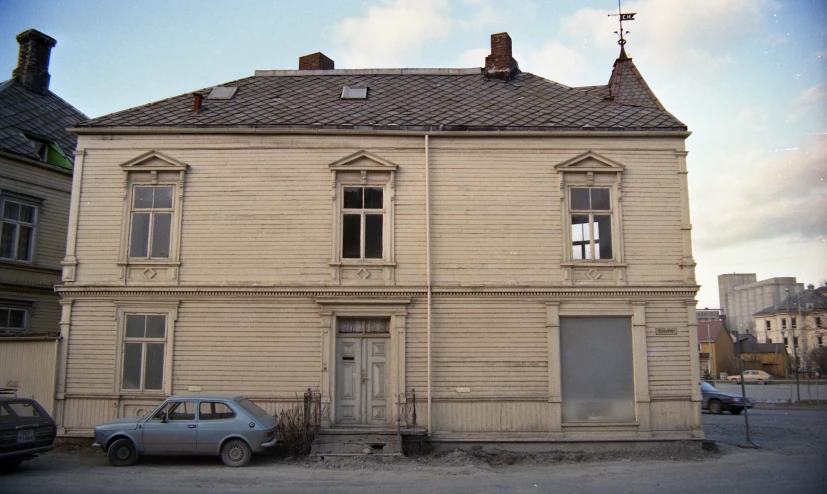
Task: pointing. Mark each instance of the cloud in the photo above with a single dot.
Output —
(783, 195)
(391, 32)
(814, 97)
(556, 62)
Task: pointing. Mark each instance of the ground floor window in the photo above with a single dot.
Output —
(144, 349)
(597, 369)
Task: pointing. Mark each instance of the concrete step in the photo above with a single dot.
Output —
(356, 442)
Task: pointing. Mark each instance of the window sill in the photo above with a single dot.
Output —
(364, 262)
(149, 262)
(15, 262)
(592, 263)
(597, 423)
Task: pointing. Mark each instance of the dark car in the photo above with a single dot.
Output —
(717, 402)
(231, 427)
(26, 430)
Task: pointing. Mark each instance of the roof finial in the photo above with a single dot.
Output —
(622, 17)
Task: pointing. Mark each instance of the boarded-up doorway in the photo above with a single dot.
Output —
(362, 347)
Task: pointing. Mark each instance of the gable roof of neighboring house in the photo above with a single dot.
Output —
(750, 345)
(805, 302)
(709, 330)
(27, 106)
(411, 99)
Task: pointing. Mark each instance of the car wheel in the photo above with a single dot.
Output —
(736, 411)
(716, 407)
(122, 453)
(235, 453)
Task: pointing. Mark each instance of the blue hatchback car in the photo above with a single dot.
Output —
(232, 427)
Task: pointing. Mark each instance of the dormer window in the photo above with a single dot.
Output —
(48, 150)
(349, 92)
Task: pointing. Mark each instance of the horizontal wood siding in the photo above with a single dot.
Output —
(259, 348)
(668, 355)
(81, 415)
(53, 187)
(29, 367)
(258, 209)
(505, 416)
(91, 354)
(496, 348)
(44, 314)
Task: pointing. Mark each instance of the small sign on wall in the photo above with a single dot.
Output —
(463, 390)
(666, 331)
(193, 388)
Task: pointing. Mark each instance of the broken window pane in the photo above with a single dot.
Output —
(351, 236)
(373, 236)
(597, 369)
(580, 236)
(603, 236)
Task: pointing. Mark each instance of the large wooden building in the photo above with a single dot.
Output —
(515, 251)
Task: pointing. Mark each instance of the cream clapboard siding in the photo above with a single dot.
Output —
(28, 365)
(669, 356)
(90, 368)
(257, 209)
(54, 187)
(261, 348)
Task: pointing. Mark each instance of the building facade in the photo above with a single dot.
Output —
(36, 156)
(514, 252)
(799, 322)
(741, 296)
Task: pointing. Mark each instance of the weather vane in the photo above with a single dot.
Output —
(622, 17)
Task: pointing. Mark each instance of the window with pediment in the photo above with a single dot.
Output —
(590, 187)
(151, 230)
(363, 217)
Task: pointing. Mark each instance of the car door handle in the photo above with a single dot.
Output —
(191, 426)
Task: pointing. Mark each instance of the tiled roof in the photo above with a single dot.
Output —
(403, 99)
(709, 330)
(47, 115)
(627, 87)
(806, 302)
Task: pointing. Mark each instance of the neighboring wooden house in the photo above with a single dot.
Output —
(768, 357)
(36, 155)
(716, 350)
(515, 251)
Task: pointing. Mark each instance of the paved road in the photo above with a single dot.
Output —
(792, 459)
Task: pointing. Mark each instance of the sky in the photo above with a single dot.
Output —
(748, 77)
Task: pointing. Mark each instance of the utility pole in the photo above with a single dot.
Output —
(749, 443)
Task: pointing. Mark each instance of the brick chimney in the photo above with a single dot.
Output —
(500, 64)
(315, 61)
(33, 61)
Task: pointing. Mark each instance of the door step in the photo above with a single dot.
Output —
(357, 442)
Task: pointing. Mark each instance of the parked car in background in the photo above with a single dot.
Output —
(752, 376)
(232, 427)
(717, 401)
(26, 430)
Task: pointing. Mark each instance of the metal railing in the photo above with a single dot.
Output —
(406, 418)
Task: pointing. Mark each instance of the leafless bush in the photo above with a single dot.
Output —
(299, 425)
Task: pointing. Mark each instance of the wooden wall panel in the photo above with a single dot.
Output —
(29, 367)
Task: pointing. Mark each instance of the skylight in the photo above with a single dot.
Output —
(354, 92)
(222, 92)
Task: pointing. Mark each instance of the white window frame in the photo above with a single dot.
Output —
(24, 306)
(167, 309)
(592, 225)
(591, 170)
(152, 169)
(22, 200)
(363, 169)
(362, 213)
(152, 212)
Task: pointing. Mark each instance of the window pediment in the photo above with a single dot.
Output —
(154, 161)
(363, 161)
(590, 162)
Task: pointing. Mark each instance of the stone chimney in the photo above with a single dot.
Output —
(33, 61)
(500, 64)
(315, 61)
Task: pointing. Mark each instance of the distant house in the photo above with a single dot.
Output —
(742, 295)
(768, 357)
(514, 252)
(36, 160)
(799, 322)
(716, 351)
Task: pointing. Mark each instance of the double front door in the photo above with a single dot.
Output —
(361, 372)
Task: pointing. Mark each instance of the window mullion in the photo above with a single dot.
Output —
(150, 234)
(362, 227)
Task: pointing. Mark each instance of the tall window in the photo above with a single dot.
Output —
(768, 325)
(793, 324)
(591, 222)
(362, 222)
(783, 323)
(17, 230)
(143, 352)
(151, 221)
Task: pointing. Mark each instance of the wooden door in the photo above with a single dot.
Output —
(361, 372)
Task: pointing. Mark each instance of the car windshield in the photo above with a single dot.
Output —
(252, 407)
(708, 387)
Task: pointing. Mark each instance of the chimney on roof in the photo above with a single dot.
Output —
(500, 64)
(33, 60)
(315, 61)
(197, 101)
